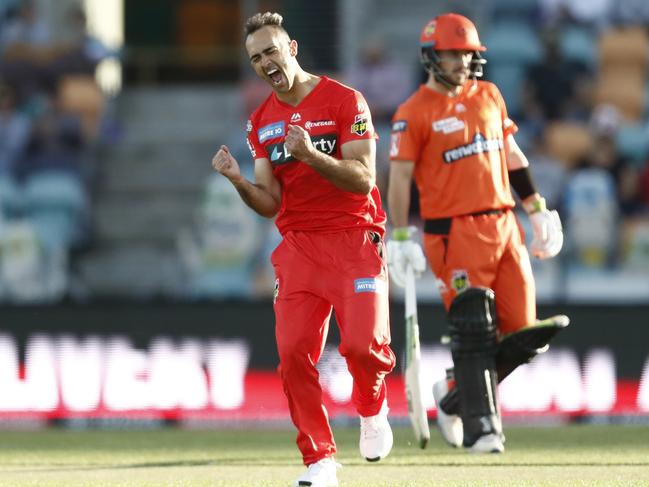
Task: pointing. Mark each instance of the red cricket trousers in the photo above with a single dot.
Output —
(315, 272)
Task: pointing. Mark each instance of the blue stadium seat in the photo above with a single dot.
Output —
(512, 43)
(521, 9)
(509, 78)
(580, 45)
(633, 142)
(56, 204)
(11, 197)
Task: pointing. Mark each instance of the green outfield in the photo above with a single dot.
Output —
(561, 456)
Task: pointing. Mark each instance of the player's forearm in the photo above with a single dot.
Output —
(257, 198)
(347, 174)
(398, 201)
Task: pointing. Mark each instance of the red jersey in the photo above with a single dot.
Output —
(332, 114)
(458, 147)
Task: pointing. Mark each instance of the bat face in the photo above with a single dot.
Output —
(416, 411)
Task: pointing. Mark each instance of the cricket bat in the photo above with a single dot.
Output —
(416, 410)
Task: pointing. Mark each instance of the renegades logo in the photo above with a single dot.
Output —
(359, 127)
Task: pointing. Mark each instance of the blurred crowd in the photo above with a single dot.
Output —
(50, 121)
(576, 85)
(573, 74)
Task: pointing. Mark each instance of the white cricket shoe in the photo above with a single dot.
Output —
(376, 435)
(491, 443)
(319, 474)
(450, 425)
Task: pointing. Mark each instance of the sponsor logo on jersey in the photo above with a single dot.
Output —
(478, 146)
(249, 126)
(270, 131)
(359, 127)
(368, 285)
(399, 125)
(460, 280)
(253, 152)
(324, 143)
(319, 123)
(395, 143)
(276, 290)
(448, 125)
(296, 117)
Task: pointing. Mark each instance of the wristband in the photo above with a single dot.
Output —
(521, 180)
(535, 206)
(401, 234)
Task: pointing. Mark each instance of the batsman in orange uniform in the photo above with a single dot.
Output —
(453, 135)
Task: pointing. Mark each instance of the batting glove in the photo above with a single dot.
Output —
(547, 230)
(402, 251)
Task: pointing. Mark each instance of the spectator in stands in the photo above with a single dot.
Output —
(25, 49)
(24, 32)
(643, 188)
(602, 188)
(386, 82)
(554, 83)
(56, 143)
(549, 174)
(79, 52)
(605, 123)
(15, 129)
(589, 13)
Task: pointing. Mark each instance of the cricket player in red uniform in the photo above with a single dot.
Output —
(453, 135)
(313, 144)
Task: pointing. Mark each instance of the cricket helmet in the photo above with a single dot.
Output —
(450, 32)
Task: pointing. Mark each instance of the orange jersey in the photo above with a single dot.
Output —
(458, 147)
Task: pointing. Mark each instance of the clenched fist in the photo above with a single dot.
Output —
(227, 165)
(298, 143)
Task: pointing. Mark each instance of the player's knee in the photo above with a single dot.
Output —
(290, 351)
(472, 318)
(356, 350)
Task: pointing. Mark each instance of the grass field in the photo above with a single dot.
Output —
(566, 456)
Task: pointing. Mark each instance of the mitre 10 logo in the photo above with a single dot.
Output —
(279, 154)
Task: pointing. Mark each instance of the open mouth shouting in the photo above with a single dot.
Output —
(275, 76)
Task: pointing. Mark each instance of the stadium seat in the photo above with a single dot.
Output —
(624, 90)
(626, 47)
(579, 45)
(633, 142)
(11, 197)
(56, 203)
(509, 78)
(635, 238)
(521, 10)
(568, 142)
(512, 43)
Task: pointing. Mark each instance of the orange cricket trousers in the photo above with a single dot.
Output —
(316, 272)
(486, 249)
